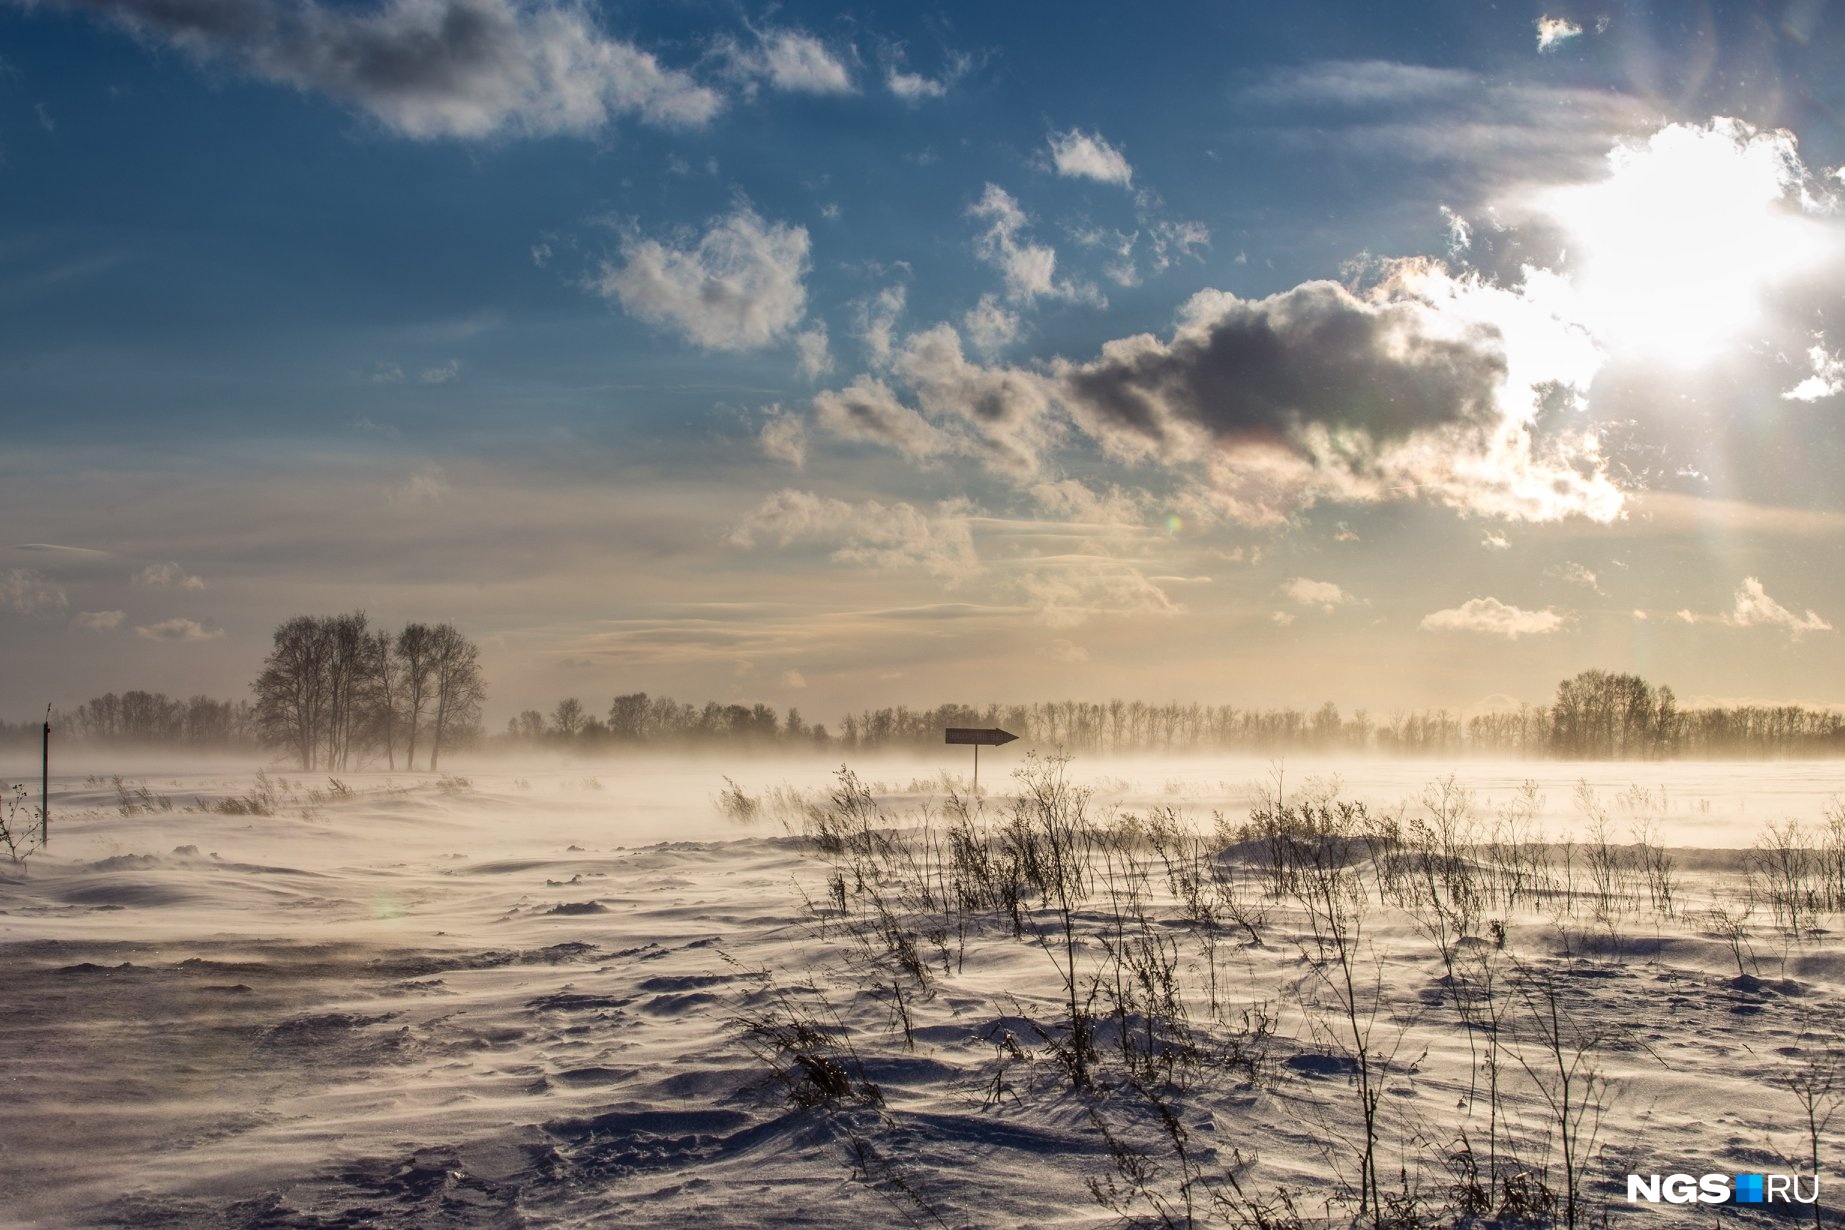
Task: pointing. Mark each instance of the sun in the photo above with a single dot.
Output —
(1675, 254)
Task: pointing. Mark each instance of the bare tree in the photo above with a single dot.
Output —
(415, 667)
(292, 690)
(458, 686)
(568, 717)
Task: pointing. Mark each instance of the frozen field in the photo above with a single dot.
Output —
(609, 994)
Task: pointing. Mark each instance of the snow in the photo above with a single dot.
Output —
(550, 995)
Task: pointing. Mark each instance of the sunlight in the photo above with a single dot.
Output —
(1672, 255)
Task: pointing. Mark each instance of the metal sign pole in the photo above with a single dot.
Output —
(44, 784)
(993, 737)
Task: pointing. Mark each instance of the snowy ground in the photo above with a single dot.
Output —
(561, 996)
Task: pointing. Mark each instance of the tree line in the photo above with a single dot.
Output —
(337, 693)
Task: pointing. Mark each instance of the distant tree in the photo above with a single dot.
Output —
(568, 717)
(415, 669)
(459, 689)
(291, 691)
(628, 717)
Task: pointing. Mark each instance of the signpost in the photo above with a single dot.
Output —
(990, 737)
(44, 784)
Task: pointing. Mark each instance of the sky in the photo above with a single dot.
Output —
(850, 356)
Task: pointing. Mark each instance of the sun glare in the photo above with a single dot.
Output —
(1672, 255)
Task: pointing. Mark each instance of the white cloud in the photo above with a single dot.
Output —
(387, 373)
(1069, 593)
(160, 576)
(793, 679)
(991, 326)
(876, 320)
(1495, 541)
(793, 62)
(98, 621)
(28, 592)
(1493, 618)
(1280, 619)
(816, 360)
(425, 485)
(1087, 155)
(445, 374)
(1323, 594)
(739, 287)
(1755, 609)
(1578, 574)
(433, 68)
(1554, 31)
(1827, 379)
(867, 411)
(1063, 650)
(913, 87)
(881, 536)
(1029, 269)
(783, 438)
(179, 630)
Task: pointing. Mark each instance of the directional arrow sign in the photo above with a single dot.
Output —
(979, 738)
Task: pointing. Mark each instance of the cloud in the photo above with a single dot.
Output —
(1067, 593)
(1554, 31)
(1029, 269)
(97, 621)
(1323, 594)
(1827, 379)
(991, 326)
(811, 346)
(1494, 618)
(1428, 386)
(914, 88)
(1473, 131)
(793, 679)
(431, 68)
(1001, 414)
(1086, 155)
(1063, 650)
(425, 485)
(28, 592)
(867, 411)
(1578, 574)
(179, 630)
(160, 576)
(875, 320)
(1755, 609)
(881, 536)
(783, 438)
(791, 61)
(1495, 541)
(739, 287)
(445, 374)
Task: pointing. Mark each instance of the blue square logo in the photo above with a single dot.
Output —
(1748, 1189)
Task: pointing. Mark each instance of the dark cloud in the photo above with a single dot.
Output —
(1261, 371)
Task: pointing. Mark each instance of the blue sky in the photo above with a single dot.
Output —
(832, 356)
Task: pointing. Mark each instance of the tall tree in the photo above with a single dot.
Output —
(291, 691)
(416, 659)
(458, 686)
